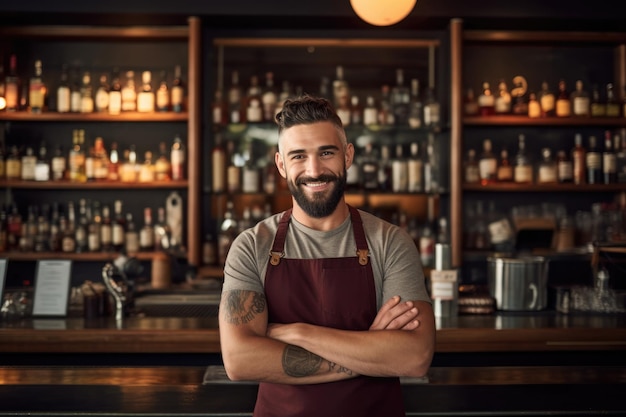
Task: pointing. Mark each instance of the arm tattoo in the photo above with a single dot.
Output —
(299, 362)
(243, 306)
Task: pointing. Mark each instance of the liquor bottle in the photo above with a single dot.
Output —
(341, 90)
(100, 160)
(369, 168)
(344, 111)
(547, 170)
(76, 159)
(146, 170)
(162, 166)
(432, 110)
(609, 160)
(128, 169)
(59, 164)
(416, 107)
(145, 97)
(470, 104)
(415, 170)
(593, 162)
(90, 174)
(384, 169)
(325, 89)
(487, 164)
(233, 171)
(118, 227)
(131, 235)
(218, 165)
(518, 92)
(353, 174)
(399, 99)
(399, 171)
(101, 101)
(129, 93)
(385, 115)
(75, 91)
(619, 147)
(55, 237)
(486, 101)
(547, 101)
(68, 241)
(563, 102)
(43, 230)
(471, 172)
(42, 165)
(163, 94)
(504, 171)
(29, 161)
(523, 168)
(13, 164)
(82, 224)
(235, 95)
(565, 169)
(86, 94)
(106, 230)
(113, 171)
(63, 92)
(94, 244)
(431, 166)
(177, 100)
(356, 111)
(579, 160)
(534, 108)
(219, 109)
(580, 100)
(370, 112)
(597, 108)
(227, 232)
(427, 237)
(146, 234)
(253, 102)
(12, 86)
(37, 90)
(502, 101)
(284, 94)
(612, 104)
(70, 229)
(115, 93)
(270, 176)
(161, 231)
(269, 98)
(177, 159)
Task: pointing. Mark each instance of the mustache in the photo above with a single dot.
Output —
(321, 178)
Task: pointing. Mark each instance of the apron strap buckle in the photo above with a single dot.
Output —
(275, 257)
(362, 253)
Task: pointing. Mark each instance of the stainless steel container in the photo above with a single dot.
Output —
(518, 283)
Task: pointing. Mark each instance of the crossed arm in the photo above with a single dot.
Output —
(400, 342)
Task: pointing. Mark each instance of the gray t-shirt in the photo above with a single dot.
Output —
(394, 257)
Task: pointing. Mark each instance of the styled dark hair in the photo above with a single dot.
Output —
(306, 109)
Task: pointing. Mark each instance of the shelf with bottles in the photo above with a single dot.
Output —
(63, 57)
(513, 120)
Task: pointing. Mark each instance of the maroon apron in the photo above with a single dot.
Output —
(331, 292)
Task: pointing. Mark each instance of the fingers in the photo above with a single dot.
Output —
(396, 315)
(391, 303)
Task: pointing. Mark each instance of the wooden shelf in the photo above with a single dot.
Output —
(96, 32)
(85, 257)
(510, 120)
(543, 36)
(95, 185)
(323, 42)
(95, 117)
(535, 188)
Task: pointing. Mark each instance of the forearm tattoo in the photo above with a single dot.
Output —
(243, 306)
(299, 362)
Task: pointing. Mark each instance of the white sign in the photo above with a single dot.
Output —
(52, 287)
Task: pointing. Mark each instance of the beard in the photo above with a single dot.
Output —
(320, 204)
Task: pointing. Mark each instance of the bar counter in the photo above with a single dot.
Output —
(500, 332)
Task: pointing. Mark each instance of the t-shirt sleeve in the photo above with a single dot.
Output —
(241, 270)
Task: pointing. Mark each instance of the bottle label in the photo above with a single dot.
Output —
(547, 103)
(118, 234)
(594, 160)
(115, 102)
(547, 174)
(443, 284)
(132, 242)
(565, 171)
(487, 168)
(471, 174)
(609, 163)
(505, 173)
(563, 108)
(102, 100)
(581, 106)
(106, 234)
(415, 175)
(145, 102)
(63, 100)
(523, 173)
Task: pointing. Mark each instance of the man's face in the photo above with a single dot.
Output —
(314, 163)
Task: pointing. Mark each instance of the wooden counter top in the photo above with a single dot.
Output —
(502, 332)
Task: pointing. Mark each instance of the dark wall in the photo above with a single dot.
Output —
(431, 14)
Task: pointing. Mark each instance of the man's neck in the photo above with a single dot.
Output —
(323, 224)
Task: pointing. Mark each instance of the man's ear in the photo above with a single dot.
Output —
(280, 164)
(349, 155)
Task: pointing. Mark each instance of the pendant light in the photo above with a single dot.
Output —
(382, 12)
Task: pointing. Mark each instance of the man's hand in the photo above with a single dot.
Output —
(396, 315)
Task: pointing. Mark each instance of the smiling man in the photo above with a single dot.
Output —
(324, 304)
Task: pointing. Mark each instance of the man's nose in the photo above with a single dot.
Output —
(314, 167)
